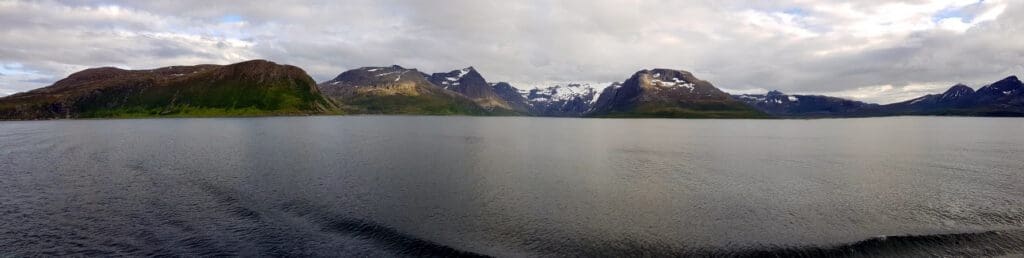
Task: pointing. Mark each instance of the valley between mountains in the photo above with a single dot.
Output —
(263, 88)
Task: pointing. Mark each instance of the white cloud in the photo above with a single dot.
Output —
(885, 94)
(795, 46)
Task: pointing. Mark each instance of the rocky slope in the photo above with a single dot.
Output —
(671, 94)
(514, 97)
(396, 90)
(255, 87)
(471, 84)
(778, 104)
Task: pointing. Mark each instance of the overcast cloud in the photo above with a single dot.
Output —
(878, 51)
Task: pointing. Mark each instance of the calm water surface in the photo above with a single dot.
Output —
(394, 186)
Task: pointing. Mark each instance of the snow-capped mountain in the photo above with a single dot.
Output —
(470, 83)
(451, 80)
(565, 92)
(668, 93)
(572, 99)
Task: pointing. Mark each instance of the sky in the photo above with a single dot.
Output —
(869, 50)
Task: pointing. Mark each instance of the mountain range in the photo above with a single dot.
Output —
(1001, 98)
(261, 87)
(779, 104)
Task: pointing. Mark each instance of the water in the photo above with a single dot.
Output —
(423, 186)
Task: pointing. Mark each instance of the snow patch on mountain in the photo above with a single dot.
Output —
(673, 82)
(567, 92)
(454, 80)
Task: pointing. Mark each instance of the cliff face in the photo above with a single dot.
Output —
(255, 87)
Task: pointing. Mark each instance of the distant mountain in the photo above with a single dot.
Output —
(668, 93)
(569, 100)
(471, 84)
(396, 90)
(1002, 98)
(776, 103)
(255, 87)
(513, 96)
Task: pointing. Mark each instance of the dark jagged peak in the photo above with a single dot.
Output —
(955, 95)
(459, 80)
(470, 83)
(504, 88)
(773, 97)
(515, 97)
(956, 92)
(1007, 86)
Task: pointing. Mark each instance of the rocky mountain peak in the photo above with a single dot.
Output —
(505, 88)
(457, 78)
(956, 92)
(515, 97)
(377, 75)
(666, 78)
(1007, 86)
(470, 83)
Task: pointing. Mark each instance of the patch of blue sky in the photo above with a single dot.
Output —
(795, 11)
(231, 18)
(14, 69)
(964, 12)
(800, 14)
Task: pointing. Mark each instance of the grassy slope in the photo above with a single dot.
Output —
(221, 98)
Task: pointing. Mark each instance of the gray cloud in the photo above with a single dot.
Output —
(871, 50)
